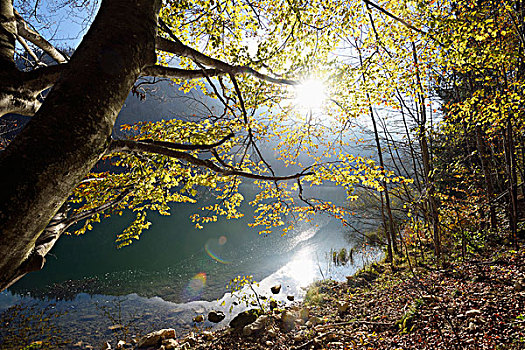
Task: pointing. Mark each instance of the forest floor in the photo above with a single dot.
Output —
(478, 303)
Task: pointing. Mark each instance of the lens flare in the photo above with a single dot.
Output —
(214, 248)
(194, 288)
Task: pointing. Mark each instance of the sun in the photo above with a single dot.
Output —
(310, 95)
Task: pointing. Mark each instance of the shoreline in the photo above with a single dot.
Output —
(472, 304)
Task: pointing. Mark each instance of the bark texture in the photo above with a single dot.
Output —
(72, 128)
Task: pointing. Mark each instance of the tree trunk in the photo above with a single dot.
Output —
(489, 188)
(389, 227)
(425, 155)
(512, 181)
(72, 129)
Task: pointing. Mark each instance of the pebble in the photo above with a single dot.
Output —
(198, 319)
(115, 327)
(472, 313)
(342, 306)
(206, 335)
(276, 289)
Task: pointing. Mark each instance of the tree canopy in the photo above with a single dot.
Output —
(438, 85)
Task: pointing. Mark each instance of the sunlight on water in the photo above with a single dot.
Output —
(303, 236)
(302, 268)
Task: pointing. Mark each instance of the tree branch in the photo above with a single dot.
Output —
(186, 147)
(179, 49)
(400, 20)
(391, 15)
(44, 77)
(178, 73)
(29, 34)
(29, 51)
(145, 147)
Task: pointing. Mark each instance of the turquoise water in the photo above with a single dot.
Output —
(175, 271)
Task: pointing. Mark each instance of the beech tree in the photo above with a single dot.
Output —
(47, 179)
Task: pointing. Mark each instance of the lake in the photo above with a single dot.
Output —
(175, 271)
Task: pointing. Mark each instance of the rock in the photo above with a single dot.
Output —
(198, 319)
(313, 321)
(259, 324)
(299, 337)
(288, 320)
(472, 313)
(88, 317)
(304, 314)
(154, 339)
(290, 297)
(299, 322)
(243, 319)
(105, 346)
(276, 289)
(121, 344)
(342, 306)
(115, 327)
(207, 335)
(199, 310)
(170, 344)
(185, 346)
(190, 339)
(269, 343)
(216, 316)
(273, 304)
(271, 333)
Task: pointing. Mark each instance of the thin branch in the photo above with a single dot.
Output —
(144, 147)
(186, 147)
(88, 213)
(391, 15)
(29, 34)
(400, 20)
(179, 49)
(30, 52)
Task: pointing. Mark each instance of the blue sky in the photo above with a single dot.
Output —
(63, 25)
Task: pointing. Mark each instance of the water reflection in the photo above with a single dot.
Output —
(302, 267)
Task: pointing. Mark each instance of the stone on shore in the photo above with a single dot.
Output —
(216, 316)
(276, 289)
(243, 319)
(154, 339)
